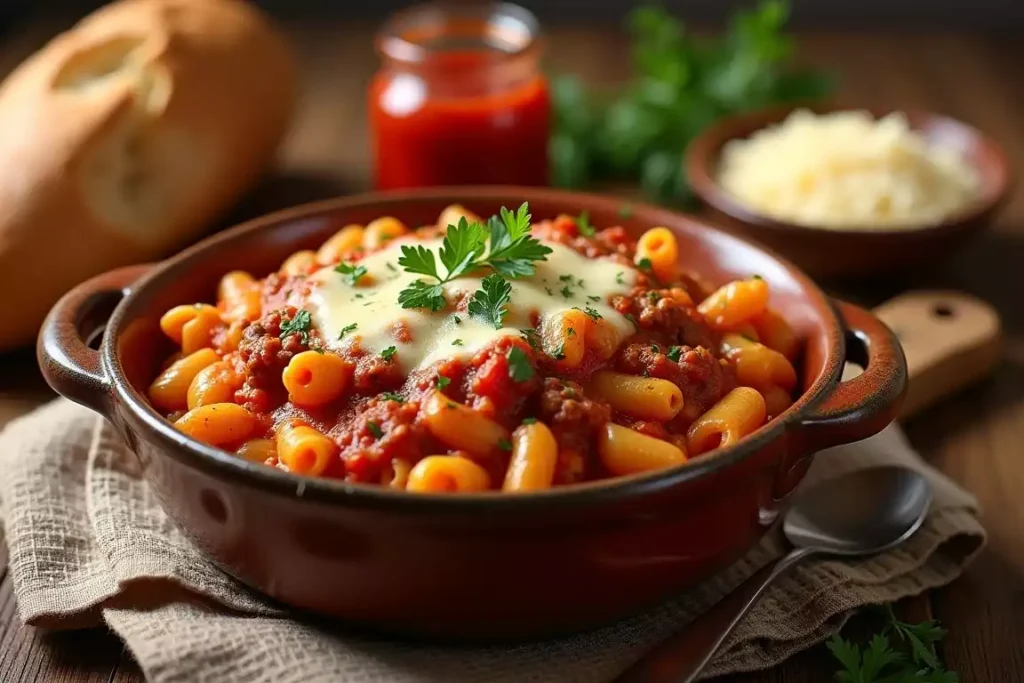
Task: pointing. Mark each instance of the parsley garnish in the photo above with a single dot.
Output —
(443, 381)
(490, 301)
(571, 332)
(590, 311)
(644, 264)
(529, 420)
(565, 278)
(900, 652)
(532, 337)
(391, 266)
(595, 298)
(674, 353)
(512, 254)
(618, 278)
(349, 273)
(504, 445)
(548, 290)
(625, 211)
(655, 349)
(457, 342)
(388, 353)
(390, 396)
(559, 353)
(298, 325)
(632, 318)
(584, 226)
(519, 367)
(566, 292)
(755, 276)
(345, 330)
(458, 320)
(374, 429)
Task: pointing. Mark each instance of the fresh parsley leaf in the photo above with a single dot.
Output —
(595, 298)
(442, 381)
(519, 367)
(532, 337)
(349, 273)
(388, 353)
(298, 325)
(504, 445)
(513, 251)
(374, 429)
(457, 342)
(463, 244)
(490, 301)
(675, 353)
(565, 278)
(529, 420)
(419, 260)
(644, 264)
(591, 312)
(345, 330)
(571, 332)
(422, 295)
(566, 292)
(458, 320)
(390, 396)
(618, 278)
(584, 226)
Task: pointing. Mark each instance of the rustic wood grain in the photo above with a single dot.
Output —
(976, 437)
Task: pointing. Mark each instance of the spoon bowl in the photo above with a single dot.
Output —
(860, 513)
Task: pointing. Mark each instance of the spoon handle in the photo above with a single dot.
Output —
(684, 655)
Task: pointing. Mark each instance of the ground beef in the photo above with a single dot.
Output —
(701, 376)
(365, 456)
(668, 318)
(575, 419)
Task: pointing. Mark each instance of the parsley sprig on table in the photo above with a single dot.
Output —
(504, 245)
(900, 653)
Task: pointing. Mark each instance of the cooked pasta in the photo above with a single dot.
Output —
(466, 357)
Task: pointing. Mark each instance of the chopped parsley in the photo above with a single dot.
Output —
(571, 332)
(755, 276)
(490, 302)
(644, 264)
(298, 325)
(675, 353)
(504, 445)
(349, 273)
(591, 311)
(519, 367)
(374, 429)
(531, 337)
(442, 381)
(584, 226)
(345, 330)
(390, 266)
(655, 349)
(595, 298)
(548, 290)
(529, 420)
(632, 318)
(512, 254)
(565, 278)
(618, 278)
(653, 296)
(359, 295)
(566, 292)
(457, 342)
(388, 353)
(458, 320)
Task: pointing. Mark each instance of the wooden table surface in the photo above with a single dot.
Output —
(976, 437)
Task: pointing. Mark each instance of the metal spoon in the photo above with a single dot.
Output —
(856, 514)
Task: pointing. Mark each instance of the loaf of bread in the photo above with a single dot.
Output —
(124, 138)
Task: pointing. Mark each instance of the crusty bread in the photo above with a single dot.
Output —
(125, 137)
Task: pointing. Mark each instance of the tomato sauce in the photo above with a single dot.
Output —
(454, 105)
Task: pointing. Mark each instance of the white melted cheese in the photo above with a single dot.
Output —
(374, 309)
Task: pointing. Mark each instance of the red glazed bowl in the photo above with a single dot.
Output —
(470, 566)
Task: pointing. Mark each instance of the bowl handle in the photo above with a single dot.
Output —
(866, 404)
(68, 362)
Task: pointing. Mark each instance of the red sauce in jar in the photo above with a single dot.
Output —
(460, 99)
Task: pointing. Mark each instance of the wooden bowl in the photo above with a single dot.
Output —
(830, 253)
(477, 566)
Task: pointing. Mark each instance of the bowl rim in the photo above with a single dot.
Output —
(222, 463)
(702, 154)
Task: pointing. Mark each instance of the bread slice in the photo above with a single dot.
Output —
(124, 138)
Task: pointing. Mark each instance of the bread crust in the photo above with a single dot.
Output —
(125, 137)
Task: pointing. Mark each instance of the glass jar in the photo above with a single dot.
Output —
(460, 98)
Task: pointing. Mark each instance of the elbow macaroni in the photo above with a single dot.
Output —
(610, 398)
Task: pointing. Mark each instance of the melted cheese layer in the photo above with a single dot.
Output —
(564, 281)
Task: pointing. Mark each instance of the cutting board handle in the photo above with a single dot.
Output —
(951, 339)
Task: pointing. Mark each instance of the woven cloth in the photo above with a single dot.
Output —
(89, 545)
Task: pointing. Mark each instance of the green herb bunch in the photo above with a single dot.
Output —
(899, 653)
(681, 85)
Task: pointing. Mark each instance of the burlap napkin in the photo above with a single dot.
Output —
(88, 544)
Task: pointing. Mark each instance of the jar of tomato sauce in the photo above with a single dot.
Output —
(460, 98)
